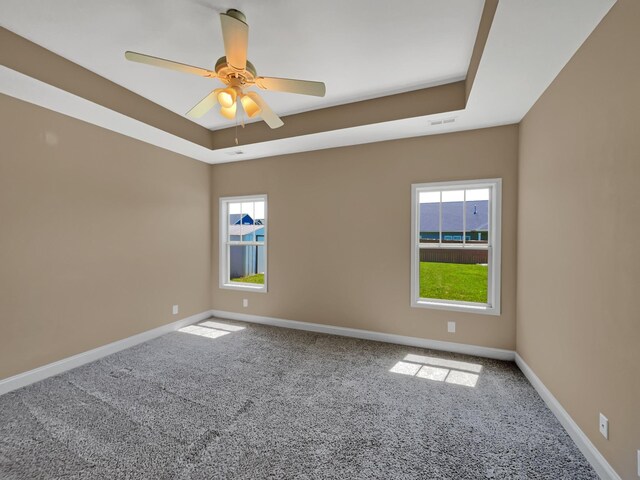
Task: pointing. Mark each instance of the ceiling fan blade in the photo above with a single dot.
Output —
(304, 87)
(268, 115)
(235, 34)
(170, 64)
(204, 105)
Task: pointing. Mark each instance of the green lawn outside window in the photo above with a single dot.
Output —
(453, 281)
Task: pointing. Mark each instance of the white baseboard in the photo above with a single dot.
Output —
(478, 351)
(588, 449)
(40, 373)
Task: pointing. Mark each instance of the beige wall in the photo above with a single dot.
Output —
(347, 262)
(578, 238)
(99, 235)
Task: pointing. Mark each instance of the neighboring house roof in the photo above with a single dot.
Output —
(477, 216)
(244, 229)
(234, 219)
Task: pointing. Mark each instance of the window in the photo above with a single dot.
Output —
(455, 246)
(243, 243)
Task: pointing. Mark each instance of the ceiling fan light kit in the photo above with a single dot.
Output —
(251, 108)
(237, 74)
(229, 112)
(227, 97)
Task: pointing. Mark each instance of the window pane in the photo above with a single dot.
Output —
(429, 197)
(233, 224)
(477, 194)
(247, 222)
(452, 216)
(429, 217)
(247, 263)
(260, 221)
(454, 274)
(259, 212)
(234, 208)
(477, 216)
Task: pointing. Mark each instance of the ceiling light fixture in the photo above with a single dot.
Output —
(227, 97)
(229, 112)
(249, 104)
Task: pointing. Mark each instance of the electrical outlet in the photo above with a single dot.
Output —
(604, 426)
(175, 309)
(451, 327)
(245, 302)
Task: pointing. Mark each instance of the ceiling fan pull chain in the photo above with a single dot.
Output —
(236, 130)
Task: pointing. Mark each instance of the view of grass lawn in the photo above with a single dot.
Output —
(453, 281)
(257, 278)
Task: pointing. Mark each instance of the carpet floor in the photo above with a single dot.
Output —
(228, 400)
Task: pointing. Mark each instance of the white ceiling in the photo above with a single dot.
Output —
(359, 48)
(528, 45)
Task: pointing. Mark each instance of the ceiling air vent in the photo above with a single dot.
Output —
(235, 152)
(442, 121)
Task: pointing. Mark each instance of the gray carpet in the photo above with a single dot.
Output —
(256, 402)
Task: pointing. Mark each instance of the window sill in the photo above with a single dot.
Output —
(456, 306)
(244, 287)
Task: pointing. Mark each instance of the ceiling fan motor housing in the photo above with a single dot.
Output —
(230, 75)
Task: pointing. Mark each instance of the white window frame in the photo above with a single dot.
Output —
(492, 307)
(223, 269)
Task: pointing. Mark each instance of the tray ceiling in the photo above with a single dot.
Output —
(361, 49)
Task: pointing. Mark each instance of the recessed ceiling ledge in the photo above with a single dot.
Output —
(28, 58)
(417, 103)
(486, 21)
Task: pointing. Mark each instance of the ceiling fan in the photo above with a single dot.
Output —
(237, 74)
